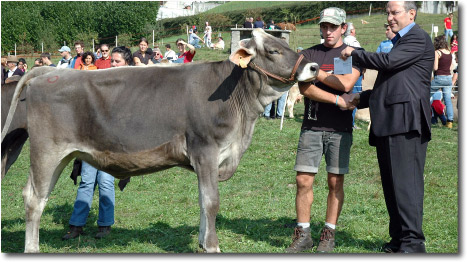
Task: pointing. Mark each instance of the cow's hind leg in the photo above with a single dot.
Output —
(44, 173)
(206, 166)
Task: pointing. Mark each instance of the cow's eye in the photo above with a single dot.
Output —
(273, 52)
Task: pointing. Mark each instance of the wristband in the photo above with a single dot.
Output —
(337, 99)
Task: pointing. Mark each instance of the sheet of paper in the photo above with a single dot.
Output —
(342, 67)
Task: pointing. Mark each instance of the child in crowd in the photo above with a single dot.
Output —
(437, 108)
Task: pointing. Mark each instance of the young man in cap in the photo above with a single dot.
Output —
(326, 130)
(65, 51)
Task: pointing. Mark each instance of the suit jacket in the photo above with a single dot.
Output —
(400, 100)
(17, 72)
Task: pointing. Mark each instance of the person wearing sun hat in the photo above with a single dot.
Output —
(12, 64)
(326, 130)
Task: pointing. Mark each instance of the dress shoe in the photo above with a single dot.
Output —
(413, 248)
(391, 247)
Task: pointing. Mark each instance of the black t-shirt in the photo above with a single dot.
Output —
(325, 116)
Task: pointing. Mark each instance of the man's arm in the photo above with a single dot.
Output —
(344, 83)
(405, 54)
(191, 47)
(317, 94)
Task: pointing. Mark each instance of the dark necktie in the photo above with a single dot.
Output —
(394, 40)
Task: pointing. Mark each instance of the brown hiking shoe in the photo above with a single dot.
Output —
(74, 232)
(103, 232)
(326, 241)
(301, 240)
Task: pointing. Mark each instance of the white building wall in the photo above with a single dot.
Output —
(172, 9)
(437, 7)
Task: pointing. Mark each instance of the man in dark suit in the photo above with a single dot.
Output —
(400, 122)
(12, 64)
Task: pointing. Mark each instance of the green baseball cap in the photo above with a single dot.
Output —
(332, 15)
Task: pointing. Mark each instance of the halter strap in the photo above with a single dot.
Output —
(280, 78)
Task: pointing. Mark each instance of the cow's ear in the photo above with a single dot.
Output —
(241, 57)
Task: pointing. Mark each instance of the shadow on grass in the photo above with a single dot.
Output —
(173, 239)
(274, 231)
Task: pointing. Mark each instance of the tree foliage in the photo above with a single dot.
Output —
(54, 22)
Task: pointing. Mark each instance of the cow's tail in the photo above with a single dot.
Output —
(19, 89)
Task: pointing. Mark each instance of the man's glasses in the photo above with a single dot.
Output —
(104, 50)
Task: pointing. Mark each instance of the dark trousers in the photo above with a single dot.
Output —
(434, 118)
(401, 161)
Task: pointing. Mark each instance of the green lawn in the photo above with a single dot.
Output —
(159, 213)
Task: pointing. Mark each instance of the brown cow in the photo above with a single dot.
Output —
(287, 26)
(131, 121)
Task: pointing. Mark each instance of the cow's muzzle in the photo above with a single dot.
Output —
(309, 73)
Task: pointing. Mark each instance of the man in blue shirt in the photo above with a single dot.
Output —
(386, 45)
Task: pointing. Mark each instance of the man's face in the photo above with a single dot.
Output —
(78, 49)
(398, 18)
(117, 60)
(64, 54)
(389, 33)
(180, 47)
(11, 65)
(105, 51)
(332, 33)
(158, 55)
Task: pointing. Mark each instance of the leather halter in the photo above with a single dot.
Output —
(280, 78)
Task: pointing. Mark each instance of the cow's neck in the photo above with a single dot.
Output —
(264, 93)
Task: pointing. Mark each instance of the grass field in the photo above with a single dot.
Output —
(159, 213)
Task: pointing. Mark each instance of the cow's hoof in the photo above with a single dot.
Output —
(202, 249)
(31, 250)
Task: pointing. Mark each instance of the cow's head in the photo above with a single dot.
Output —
(272, 56)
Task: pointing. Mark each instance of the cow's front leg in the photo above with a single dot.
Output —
(206, 166)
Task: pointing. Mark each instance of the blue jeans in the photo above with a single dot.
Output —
(90, 177)
(357, 88)
(195, 43)
(280, 106)
(445, 83)
(448, 33)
